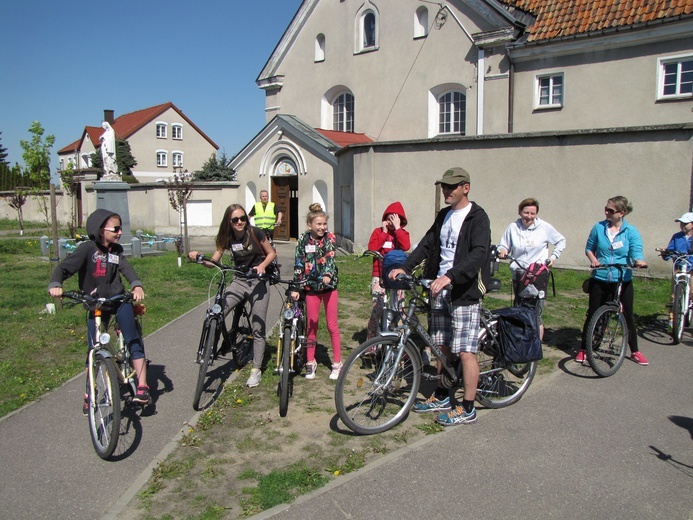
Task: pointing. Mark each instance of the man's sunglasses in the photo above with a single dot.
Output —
(235, 220)
(116, 229)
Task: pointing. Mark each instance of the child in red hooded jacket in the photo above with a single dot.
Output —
(389, 236)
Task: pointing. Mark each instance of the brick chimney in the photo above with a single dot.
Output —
(108, 116)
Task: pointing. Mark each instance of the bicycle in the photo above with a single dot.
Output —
(238, 339)
(682, 308)
(108, 367)
(388, 305)
(606, 336)
(380, 380)
(291, 343)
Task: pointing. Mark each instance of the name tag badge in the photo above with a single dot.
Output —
(388, 245)
(310, 248)
(617, 245)
(236, 247)
(113, 259)
(530, 243)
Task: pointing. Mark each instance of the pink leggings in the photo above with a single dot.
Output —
(331, 301)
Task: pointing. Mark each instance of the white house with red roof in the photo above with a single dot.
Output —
(162, 139)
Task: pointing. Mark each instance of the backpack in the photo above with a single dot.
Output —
(518, 335)
(392, 260)
(536, 274)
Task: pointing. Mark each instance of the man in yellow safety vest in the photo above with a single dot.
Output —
(265, 214)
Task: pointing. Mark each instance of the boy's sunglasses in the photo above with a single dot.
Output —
(235, 220)
(116, 229)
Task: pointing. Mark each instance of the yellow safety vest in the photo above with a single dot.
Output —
(265, 217)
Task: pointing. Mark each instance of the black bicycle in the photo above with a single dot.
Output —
(291, 344)
(216, 339)
(380, 380)
(606, 336)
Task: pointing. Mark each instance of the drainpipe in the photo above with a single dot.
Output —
(511, 93)
(480, 68)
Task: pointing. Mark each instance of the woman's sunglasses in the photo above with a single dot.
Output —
(235, 220)
(609, 211)
(116, 229)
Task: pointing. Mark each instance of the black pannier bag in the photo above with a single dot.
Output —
(518, 334)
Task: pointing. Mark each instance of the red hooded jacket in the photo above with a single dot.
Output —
(384, 241)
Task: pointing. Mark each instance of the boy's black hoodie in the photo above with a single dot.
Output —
(98, 268)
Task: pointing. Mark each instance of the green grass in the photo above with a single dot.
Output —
(7, 224)
(38, 351)
(279, 487)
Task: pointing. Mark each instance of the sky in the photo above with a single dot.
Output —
(64, 61)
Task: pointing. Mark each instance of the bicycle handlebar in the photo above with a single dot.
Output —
(520, 265)
(374, 254)
(97, 301)
(249, 274)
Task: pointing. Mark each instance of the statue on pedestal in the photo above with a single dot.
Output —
(108, 154)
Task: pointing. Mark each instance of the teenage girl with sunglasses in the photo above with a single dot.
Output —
(235, 236)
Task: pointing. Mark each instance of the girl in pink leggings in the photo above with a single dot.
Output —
(315, 262)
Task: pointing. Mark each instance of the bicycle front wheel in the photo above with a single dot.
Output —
(284, 371)
(606, 340)
(104, 406)
(377, 387)
(208, 343)
(500, 383)
(679, 312)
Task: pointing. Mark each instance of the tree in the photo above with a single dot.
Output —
(124, 160)
(3, 155)
(37, 161)
(16, 201)
(70, 186)
(216, 170)
(179, 192)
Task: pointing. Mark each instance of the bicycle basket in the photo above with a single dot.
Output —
(518, 334)
(392, 260)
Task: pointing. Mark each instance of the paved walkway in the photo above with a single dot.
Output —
(574, 447)
(49, 467)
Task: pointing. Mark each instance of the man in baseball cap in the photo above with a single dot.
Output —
(457, 253)
(455, 175)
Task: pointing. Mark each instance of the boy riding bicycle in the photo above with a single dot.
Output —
(99, 263)
(681, 242)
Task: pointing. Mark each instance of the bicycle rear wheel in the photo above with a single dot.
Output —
(208, 343)
(104, 406)
(284, 372)
(374, 392)
(606, 340)
(500, 383)
(679, 312)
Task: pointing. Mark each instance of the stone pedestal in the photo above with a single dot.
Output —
(113, 196)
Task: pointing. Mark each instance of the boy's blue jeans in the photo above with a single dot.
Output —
(125, 317)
